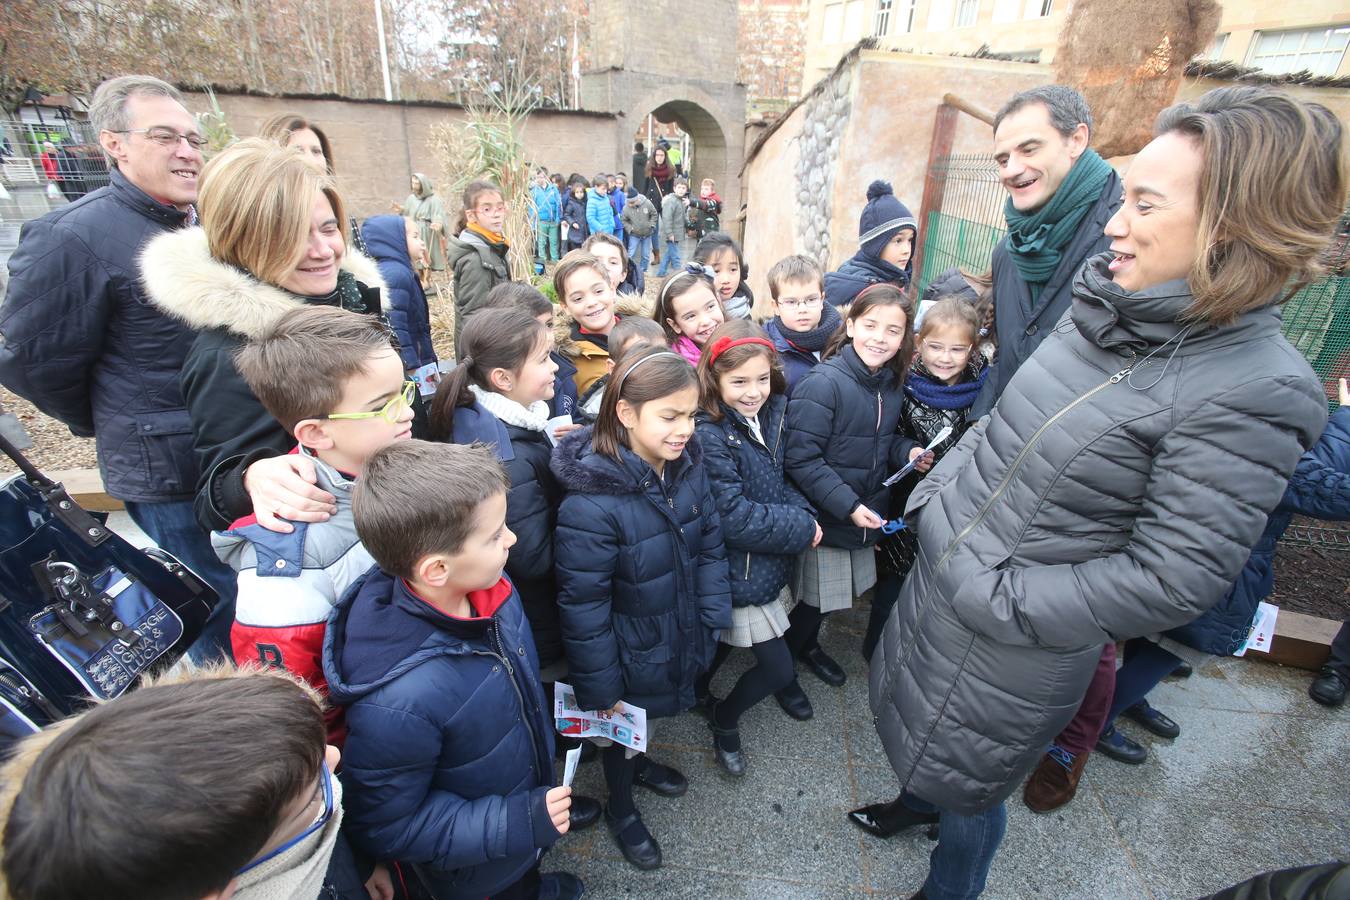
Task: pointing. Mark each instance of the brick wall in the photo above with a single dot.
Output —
(377, 146)
(769, 51)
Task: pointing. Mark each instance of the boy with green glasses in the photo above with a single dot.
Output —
(335, 381)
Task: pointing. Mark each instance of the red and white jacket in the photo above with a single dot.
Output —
(289, 583)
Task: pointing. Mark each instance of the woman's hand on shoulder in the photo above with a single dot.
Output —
(283, 490)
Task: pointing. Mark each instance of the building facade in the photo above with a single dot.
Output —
(1285, 37)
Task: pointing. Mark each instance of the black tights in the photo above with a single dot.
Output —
(772, 671)
(803, 628)
(619, 770)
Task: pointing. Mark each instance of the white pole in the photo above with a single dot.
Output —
(384, 54)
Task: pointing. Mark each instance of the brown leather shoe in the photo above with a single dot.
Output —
(1055, 780)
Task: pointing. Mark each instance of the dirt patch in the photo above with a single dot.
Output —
(1310, 579)
(54, 447)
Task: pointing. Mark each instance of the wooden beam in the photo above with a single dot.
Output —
(969, 108)
(85, 487)
(1301, 641)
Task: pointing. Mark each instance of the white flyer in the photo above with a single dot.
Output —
(625, 724)
(553, 424)
(939, 438)
(1263, 630)
(570, 765)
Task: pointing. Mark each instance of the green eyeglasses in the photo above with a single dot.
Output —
(389, 412)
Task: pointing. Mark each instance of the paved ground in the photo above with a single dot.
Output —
(1256, 781)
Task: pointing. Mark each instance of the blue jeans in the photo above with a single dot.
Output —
(639, 248)
(670, 256)
(959, 864)
(173, 526)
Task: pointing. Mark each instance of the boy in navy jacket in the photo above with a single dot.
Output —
(448, 766)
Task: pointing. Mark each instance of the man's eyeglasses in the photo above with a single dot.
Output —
(167, 137)
(804, 303)
(389, 412)
(326, 780)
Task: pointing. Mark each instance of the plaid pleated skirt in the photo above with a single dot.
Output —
(829, 578)
(752, 625)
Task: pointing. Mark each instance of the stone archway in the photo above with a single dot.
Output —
(641, 67)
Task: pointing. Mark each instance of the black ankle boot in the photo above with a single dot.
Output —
(886, 819)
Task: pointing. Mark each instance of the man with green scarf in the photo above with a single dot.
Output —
(1060, 196)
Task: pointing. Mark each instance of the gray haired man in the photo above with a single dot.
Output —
(80, 341)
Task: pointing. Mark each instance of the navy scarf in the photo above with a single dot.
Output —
(929, 391)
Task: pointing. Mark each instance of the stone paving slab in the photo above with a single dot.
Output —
(1256, 781)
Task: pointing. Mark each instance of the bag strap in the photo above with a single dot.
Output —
(70, 513)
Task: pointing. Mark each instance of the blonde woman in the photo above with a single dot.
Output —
(1115, 490)
(274, 237)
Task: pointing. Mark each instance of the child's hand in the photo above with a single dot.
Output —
(815, 541)
(924, 464)
(559, 803)
(1345, 392)
(380, 886)
(865, 518)
(566, 429)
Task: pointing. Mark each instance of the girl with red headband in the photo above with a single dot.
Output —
(842, 443)
(766, 522)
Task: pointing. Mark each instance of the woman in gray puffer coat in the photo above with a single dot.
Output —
(1129, 466)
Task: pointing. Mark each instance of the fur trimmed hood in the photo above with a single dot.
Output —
(186, 282)
(579, 468)
(624, 305)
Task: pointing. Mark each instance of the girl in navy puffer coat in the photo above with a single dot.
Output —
(767, 522)
(642, 572)
(842, 443)
(498, 395)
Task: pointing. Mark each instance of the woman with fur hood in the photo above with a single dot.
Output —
(273, 239)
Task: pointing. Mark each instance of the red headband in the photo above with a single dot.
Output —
(722, 345)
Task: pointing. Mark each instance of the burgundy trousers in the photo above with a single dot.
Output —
(1080, 735)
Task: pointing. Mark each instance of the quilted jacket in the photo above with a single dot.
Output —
(227, 306)
(842, 443)
(449, 749)
(79, 340)
(1320, 487)
(765, 520)
(289, 584)
(1114, 492)
(642, 576)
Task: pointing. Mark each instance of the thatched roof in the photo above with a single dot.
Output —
(1229, 71)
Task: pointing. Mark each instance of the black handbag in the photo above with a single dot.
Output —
(83, 613)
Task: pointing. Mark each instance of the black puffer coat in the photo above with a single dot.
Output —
(842, 443)
(1113, 493)
(80, 342)
(227, 306)
(642, 576)
(765, 520)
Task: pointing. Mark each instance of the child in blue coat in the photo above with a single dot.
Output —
(396, 244)
(802, 322)
(766, 521)
(842, 443)
(642, 571)
(887, 232)
(448, 765)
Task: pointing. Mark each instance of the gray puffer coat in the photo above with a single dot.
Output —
(1115, 491)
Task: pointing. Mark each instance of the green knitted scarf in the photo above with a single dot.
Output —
(1037, 239)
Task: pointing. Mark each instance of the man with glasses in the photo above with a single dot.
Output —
(216, 784)
(80, 340)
